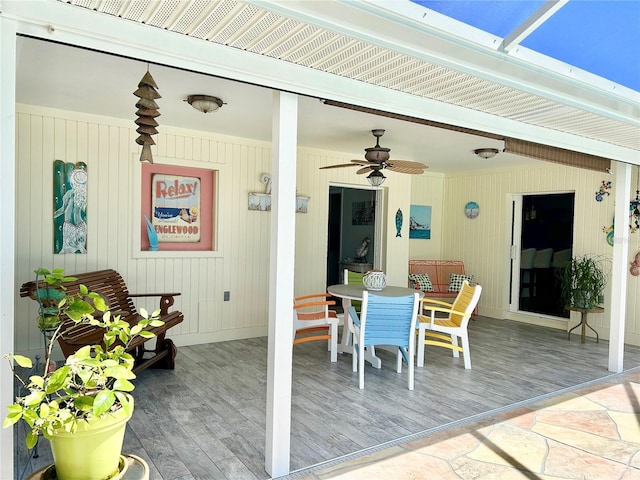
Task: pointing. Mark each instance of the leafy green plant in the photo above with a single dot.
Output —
(582, 282)
(93, 381)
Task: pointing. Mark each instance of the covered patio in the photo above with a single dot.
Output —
(419, 76)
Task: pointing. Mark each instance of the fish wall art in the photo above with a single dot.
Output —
(399, 223)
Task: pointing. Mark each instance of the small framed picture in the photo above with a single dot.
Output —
(420, 222)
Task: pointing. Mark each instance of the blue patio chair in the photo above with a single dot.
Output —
(385, 321)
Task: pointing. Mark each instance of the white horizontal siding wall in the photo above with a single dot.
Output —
(483, 243)
(107, 146)
(241, 266)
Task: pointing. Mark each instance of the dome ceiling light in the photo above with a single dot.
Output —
(486, 152)
(205, 103)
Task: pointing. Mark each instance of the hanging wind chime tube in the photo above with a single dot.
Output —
(634, 207)
(147, 112)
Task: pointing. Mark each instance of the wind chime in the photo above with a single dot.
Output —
(147, 112)
(634, 208)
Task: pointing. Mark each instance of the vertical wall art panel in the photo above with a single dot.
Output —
(69, 207)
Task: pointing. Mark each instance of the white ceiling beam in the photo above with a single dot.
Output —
(527, 27)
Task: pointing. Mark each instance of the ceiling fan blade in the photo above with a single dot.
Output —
(363, 162)
(411, 171)
(339, 166)
(407, 164)
(364, 170)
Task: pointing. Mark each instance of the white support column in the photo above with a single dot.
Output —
(7, 232)
(281, 271)
(618, 308)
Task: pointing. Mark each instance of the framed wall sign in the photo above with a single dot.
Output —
(179, 204)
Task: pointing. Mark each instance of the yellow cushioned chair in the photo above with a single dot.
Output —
(445, 331)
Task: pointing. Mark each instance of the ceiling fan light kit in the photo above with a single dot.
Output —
(376, 178)
(205, 103)
(486, 152)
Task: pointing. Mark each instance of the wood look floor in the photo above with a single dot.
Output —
(206, 419)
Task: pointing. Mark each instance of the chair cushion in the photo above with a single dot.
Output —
(421, 281)
(455, 281)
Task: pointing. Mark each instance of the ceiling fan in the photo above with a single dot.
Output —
(377, 159)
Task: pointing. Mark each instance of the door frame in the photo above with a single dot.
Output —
(379, 222)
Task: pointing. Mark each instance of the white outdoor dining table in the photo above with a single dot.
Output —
(348, 292)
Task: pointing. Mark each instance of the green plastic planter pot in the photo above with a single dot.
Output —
(92, 452)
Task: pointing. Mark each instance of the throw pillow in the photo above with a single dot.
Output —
(421, 281)
(455, 281)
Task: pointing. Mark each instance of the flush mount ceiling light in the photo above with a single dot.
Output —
(205, 103)
(376, 178)
(486, 152)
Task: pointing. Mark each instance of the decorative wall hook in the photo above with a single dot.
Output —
(262, 201)
(266, 179)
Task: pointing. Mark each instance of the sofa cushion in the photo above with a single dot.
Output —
(455, 281)
(421, 281)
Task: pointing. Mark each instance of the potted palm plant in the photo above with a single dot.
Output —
(82, 406)
(582, 282)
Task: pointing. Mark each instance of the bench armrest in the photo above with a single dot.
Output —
(166, 299)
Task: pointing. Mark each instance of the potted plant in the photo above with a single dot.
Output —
(582, 282)
(82, 406)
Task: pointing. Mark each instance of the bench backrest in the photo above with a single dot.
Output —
(439, 271)
(107, 283)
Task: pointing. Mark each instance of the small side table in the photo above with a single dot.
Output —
(583, 320)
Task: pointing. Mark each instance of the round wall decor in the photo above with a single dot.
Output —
(471, 210)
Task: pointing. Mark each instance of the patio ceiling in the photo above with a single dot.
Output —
(436, 59)
(399, 47)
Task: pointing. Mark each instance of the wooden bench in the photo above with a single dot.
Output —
(110, 285)
(439, 272)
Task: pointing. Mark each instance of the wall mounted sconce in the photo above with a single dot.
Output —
(205, 103)
(486, 152)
